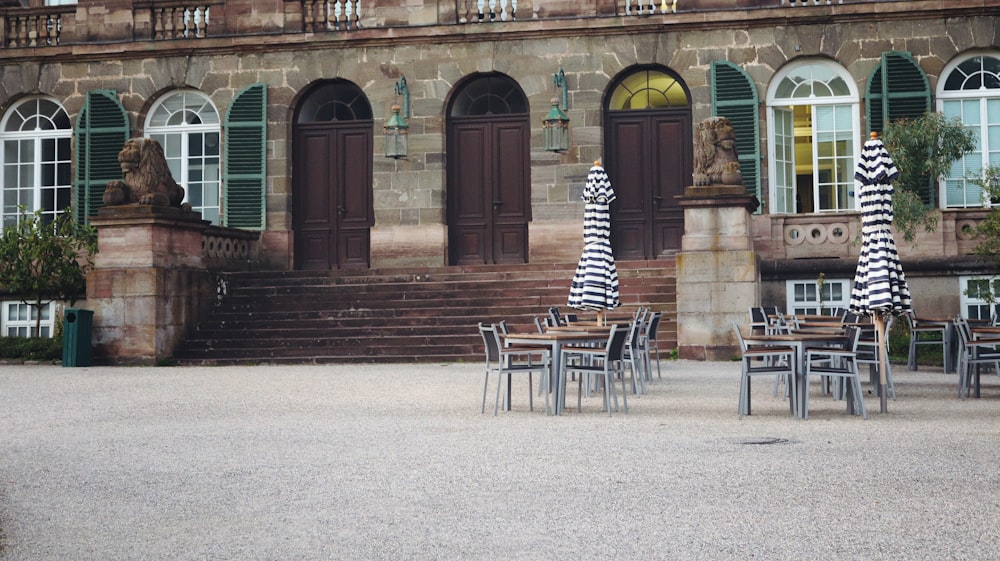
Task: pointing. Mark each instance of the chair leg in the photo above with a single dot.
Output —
(531, 393)
(486, 383)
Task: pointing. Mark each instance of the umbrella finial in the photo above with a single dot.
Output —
(597, 162)
(873, 135)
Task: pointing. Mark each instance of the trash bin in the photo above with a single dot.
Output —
(77, 332)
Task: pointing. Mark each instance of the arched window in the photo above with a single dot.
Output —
(969, 90)
(813, 138)
(648, 89)
(186, 124)
(36, 159)
(492, 94)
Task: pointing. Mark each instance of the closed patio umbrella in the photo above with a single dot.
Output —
(595, 284)
(879, 287)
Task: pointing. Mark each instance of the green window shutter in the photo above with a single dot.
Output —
(246, 157)
(898, 89)
(734, 96)
(101, 130)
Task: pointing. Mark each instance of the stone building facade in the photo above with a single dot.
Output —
(477, 80)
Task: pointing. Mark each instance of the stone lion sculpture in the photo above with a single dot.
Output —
(715, 159)
(146, 177)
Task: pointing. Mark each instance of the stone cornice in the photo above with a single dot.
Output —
(701, 21)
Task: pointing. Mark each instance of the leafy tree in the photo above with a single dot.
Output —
(44, 259)
(989, 229)
(924, 150)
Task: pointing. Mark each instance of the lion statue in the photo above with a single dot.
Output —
(146, 177)
(715, 159)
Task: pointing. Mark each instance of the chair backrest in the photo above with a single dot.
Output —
(634, 331)
(757, 316)
(653, 325)
(556, 317)
(964, 333)
(491, 342)
(501, 327)
(540, 325)
(853, 334)
(739, 337)
(615, 349)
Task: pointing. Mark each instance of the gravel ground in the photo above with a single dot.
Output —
(395, 462)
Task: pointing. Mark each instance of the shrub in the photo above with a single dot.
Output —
(31, 348)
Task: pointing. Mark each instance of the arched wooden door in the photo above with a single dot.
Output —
(489, 185)
(648, 157)
(333, 213)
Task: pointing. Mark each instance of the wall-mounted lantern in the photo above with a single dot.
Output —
(396, 128)
(555, 127)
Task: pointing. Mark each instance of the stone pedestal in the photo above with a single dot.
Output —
(717, 270)
(148, 283)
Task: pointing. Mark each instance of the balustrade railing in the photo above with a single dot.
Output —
(327, 15)
(35, 27)
(649, 7)
(179, 20)
(813, 2)
(194, 19)
(486, 11)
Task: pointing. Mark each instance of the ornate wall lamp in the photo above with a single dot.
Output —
(396, 128)
(555, 126)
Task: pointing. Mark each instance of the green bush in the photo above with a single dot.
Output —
(31, 348)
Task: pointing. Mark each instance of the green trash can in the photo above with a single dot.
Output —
(77, 332)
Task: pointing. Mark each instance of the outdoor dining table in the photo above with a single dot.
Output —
(556, 340)
(799, 342)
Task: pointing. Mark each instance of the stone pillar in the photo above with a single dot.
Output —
(148, 283)
(717, 270)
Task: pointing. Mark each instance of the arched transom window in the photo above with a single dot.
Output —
(186, 124)
(813, 138)
(647, 89)
(970, 92)
(36, 159)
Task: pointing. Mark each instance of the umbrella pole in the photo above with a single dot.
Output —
(882, 349)
(600, 317)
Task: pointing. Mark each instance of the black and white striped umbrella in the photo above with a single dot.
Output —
(879, 287)
(595, 284)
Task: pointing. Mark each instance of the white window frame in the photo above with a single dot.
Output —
(975, 305)
(27, 180)
(23, 322)
(196, 117)
(802, 296)
(779, 197)
(985, 104)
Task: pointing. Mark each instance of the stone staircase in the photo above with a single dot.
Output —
(386, 316)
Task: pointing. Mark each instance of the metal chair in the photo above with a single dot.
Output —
(652, 344)
(973, 354)
(605, 362)
(762, 360)
(918, 327)
(635, 353)
(841, 364)
(510, 360)
(758, 320)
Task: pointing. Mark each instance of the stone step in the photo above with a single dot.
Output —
(398, 315)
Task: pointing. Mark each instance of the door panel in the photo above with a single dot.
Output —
(649, 164)
(628, 169)
(354, 193)
(489, 201)
(672, 168)
(333, 212)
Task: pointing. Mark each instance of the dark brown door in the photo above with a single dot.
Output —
(333, 211)
(489, 202)
(649, 163)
